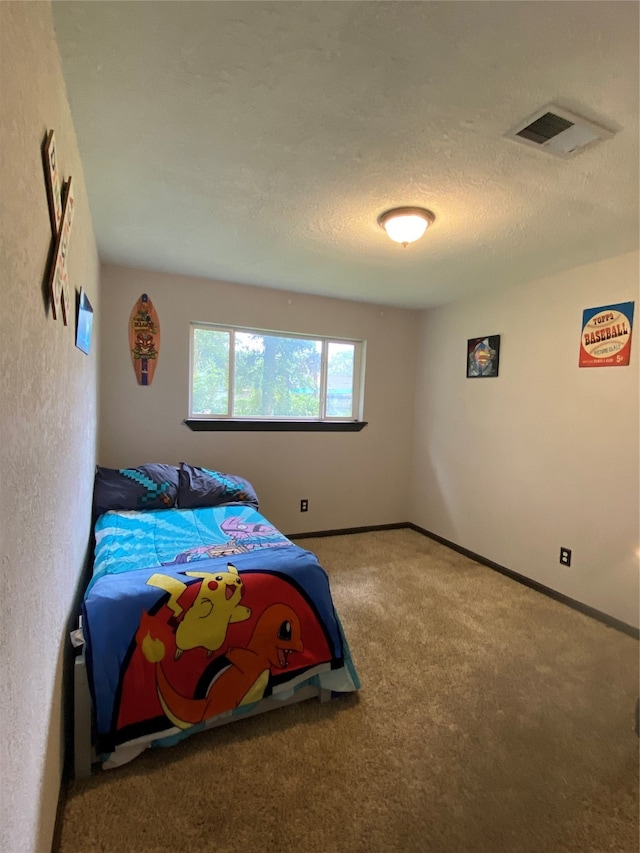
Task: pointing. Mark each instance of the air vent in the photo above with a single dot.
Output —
(557, 131)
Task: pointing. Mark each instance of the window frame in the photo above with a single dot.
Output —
(354, 422)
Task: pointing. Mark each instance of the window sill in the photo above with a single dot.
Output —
(273, 426)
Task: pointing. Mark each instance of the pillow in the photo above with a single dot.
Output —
(152, 486)
(202, 487)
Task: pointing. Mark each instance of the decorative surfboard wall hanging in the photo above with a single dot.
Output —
(144, 339)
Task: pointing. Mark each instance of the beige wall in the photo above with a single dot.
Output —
(48, 416)
(546, 454)
(512, 468)
(350, 479)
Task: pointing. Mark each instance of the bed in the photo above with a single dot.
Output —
(199, 611)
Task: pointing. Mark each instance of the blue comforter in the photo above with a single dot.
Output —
(196, 613)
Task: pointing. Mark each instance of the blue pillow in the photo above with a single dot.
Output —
(152, 486)
(202, 487)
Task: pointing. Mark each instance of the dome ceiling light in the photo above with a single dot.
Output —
(406, 224)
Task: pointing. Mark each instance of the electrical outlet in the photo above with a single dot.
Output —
(304, 505)
(565, 556)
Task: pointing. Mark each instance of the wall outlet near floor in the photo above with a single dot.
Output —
(565, 556)
(304, 505)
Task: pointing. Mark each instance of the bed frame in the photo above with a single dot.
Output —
(84, 754)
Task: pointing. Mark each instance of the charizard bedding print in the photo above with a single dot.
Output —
(196, 614)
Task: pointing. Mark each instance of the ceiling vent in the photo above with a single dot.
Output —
(557, 131)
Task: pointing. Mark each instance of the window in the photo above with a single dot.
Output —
(251, 374)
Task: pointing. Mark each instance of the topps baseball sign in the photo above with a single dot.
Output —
(606, 335)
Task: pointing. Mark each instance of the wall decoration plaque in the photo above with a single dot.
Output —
(52, 176)
(59, 279)
(144, 339)
(606, 335)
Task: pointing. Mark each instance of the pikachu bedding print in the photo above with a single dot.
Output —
(192, 614)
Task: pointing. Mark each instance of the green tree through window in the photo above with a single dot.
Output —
(210, 372)
(247, 373)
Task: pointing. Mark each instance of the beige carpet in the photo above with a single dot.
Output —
(491, 720)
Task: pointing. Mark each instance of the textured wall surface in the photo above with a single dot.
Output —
(350, 479)
(48, 416)
(544, 455)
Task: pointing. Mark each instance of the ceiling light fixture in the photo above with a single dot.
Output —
(406, 224)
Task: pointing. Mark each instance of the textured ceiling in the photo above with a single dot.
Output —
(257, 142)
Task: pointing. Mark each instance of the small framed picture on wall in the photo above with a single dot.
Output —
(483, 356)
(85, 323)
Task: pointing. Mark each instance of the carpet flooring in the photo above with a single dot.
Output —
(491, 719)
